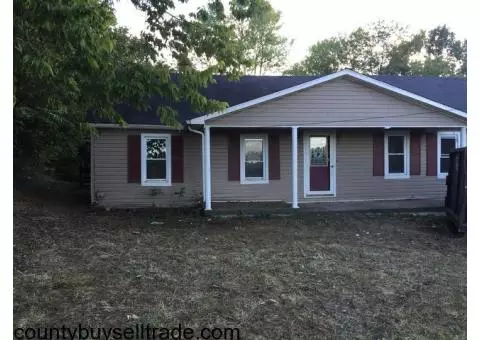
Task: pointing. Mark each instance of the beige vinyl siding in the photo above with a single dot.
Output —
(341, 102)
(354, 173)
(110, 185)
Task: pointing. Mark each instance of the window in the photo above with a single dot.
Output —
(253, 159)
(397, 147)
(156, 160)
(447, 142)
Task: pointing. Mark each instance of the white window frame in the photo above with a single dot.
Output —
(406, 155)
(253, 180)
(440, 135)
(156, 182)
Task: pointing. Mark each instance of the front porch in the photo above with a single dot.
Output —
(286, 164)
(285, 209)
(319, 169)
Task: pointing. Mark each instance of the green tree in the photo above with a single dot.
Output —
(253, 36)
(259, 37)
(367, 50)
(444, 54)
(69, 58)
(324, 57)
(383, 48)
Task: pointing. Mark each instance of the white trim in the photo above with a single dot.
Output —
(306, 164)
(168, 157)
(294, 167)
(440, 135)
(208, 172)
(463, 137)
(135, 126)
(406, 155)
(306, 85)
(264, 178)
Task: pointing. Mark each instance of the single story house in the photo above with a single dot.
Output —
(297, 139)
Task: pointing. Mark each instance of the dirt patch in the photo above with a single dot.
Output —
(346, 275)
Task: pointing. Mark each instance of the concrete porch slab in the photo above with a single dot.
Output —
(282, 208)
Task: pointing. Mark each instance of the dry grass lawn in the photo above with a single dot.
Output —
(345, 276)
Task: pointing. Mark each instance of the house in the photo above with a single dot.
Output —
(341, 137)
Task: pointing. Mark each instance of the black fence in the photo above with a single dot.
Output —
(456, 199)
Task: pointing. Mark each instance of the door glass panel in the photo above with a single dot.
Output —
(319, 154)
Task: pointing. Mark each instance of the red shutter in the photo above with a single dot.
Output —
(134, 165)
(432, 154)
(415, 154)
(234, 157)
(378, 154)
(177, 159)
(273, 157)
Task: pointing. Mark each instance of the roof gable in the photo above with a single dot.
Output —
(448, 91)
(345, 73)
(341, 103)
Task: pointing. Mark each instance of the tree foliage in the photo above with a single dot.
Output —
(259, 38)
(387, 48)
(71, 58)
(254, 35)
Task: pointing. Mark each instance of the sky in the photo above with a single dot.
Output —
(308, 21)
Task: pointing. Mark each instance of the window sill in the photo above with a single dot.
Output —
(396, 176)
(156, 184)
(260, 181)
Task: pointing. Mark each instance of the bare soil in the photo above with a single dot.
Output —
(343, 275)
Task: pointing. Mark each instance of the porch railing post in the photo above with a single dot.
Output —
(294, 167)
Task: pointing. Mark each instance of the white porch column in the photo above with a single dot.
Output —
(203, 168)
(294, 167)
(208, 177)
(463, 137)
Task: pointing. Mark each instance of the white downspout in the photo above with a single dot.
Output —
(203, 158)
(208, 178)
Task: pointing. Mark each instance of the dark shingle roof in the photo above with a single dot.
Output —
(450, 91)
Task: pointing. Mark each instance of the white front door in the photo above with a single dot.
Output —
(319, 163)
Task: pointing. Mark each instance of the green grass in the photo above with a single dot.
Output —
(348, 275)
